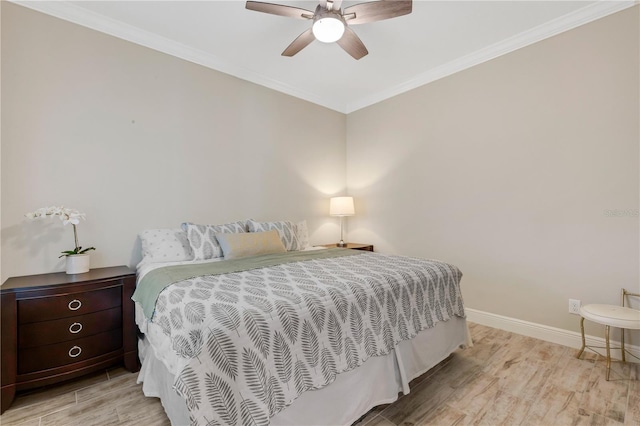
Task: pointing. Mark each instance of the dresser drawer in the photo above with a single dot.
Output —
(59, 354)
(72, 328)
(68, 305)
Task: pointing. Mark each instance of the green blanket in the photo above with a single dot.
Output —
(149, 288)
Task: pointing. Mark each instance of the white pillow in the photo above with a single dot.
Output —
(165, 245)
(303, 235)
(285, 229)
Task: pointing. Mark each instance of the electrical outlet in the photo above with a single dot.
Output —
(574, 306)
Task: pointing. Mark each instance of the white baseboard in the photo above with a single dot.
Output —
(560, 336)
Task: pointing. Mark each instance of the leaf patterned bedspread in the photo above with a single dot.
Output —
(257, 339)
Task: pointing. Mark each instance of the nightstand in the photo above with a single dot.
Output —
(353, 246)
(56, 327)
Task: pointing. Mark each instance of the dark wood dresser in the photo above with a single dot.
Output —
(56, 327)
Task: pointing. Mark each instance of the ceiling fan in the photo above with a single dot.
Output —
(331, 24)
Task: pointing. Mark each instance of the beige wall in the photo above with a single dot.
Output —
(508, 170)
(138, 139)
(505, 169)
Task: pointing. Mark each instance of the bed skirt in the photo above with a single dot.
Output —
(349, 397)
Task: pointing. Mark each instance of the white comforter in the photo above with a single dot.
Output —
(251, 342)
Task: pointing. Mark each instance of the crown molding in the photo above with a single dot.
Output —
(549, 29)
(78, 15)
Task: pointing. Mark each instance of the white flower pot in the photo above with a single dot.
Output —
(77, 263)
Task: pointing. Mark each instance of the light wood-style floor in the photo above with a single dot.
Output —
(505, 379)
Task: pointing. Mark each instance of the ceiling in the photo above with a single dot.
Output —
(437, 39)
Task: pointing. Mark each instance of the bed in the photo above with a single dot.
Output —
(293, 336)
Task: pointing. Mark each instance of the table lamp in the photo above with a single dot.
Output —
(341, 206)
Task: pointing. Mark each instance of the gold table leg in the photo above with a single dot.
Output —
(606, 337)
(583, 340)
(622, 344)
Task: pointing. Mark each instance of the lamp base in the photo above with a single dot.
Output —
(341, 244)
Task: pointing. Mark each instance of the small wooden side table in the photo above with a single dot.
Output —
(353, 246)
(56, 327)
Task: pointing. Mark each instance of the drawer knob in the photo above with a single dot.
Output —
(74, 305)
(75, 351)
(75, 328)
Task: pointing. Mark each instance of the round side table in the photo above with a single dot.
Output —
(610, 316)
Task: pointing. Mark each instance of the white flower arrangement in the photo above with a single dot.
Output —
(67, 216)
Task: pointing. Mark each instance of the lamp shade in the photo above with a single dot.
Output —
(341, 206)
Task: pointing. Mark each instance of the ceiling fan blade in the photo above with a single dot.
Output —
(376, 11)
(352, 44)
(279, 9)
(299, 43)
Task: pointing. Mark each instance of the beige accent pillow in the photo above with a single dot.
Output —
(250, 244)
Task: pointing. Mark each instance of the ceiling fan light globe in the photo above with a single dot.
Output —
(328, 30)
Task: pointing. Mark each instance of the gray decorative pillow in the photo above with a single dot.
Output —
(202, 238)
(286, 231)
(165, 245)
(303, 235)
